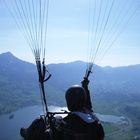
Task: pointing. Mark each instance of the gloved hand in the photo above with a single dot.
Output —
(85, 83)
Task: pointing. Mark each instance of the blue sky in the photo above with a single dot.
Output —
(67, 37)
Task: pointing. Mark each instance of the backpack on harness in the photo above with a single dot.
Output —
(79, 126)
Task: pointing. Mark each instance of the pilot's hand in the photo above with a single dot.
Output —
(85, 83)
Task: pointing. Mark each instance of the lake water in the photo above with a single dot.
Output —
(10, 124)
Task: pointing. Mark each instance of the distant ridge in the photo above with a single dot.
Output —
(8, 56)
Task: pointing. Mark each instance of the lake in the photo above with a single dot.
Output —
(10, 124)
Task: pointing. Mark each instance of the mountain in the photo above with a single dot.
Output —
(19, 82)
(122, 79)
